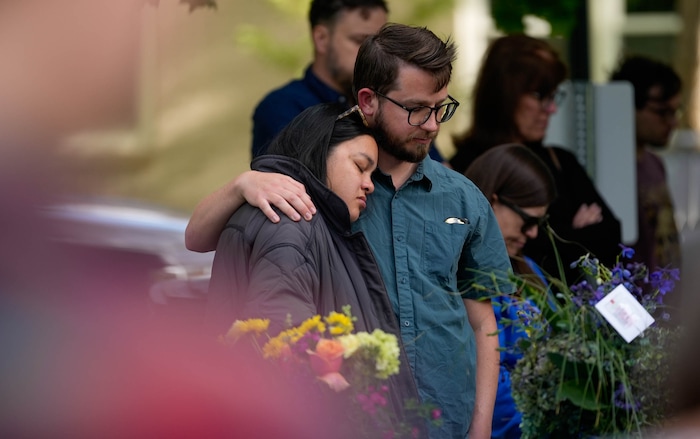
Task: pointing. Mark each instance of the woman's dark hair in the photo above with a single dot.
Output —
(328, 11)
(513, 66)
(381, 55)
(645, 73)
(314, 133)
(514, 173)
(517, 175)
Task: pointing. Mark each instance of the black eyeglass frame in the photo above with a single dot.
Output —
(664, 111)
(529, 221)
(556, 97)
(445, 117)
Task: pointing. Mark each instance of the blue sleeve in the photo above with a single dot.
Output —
(484, 266)
(273, 113)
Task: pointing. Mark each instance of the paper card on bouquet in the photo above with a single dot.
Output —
(624, 313)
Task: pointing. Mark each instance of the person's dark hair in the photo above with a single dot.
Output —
(380, 57)
(645, 73)
(514, 173)
(513, 65)
(314, 133)
(327, 11)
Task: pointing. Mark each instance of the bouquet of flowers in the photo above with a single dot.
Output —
(578, 377)
(357, 364)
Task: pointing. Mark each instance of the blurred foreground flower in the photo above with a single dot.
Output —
(353, 365)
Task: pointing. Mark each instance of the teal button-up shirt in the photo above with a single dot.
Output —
(434, 238)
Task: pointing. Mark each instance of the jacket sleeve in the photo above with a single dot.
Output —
(264, 276)
(603, 238)
(284, 281)
(574, 187)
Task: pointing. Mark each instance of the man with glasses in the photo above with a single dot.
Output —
(657, 102)
(432, 231)
(338, 27)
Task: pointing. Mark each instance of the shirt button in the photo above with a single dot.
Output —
(403, 280)
(400, 238)
(407, 323)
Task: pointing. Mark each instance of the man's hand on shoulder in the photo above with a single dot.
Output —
(265, 189)
(260, 189)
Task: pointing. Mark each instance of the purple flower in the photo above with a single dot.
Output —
(621, 399)
(663, 280)
(627, 252)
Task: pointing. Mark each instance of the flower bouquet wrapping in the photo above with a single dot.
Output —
(578, 377)
(357, 366)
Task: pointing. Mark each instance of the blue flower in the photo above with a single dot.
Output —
(627, 252)
(622, 401)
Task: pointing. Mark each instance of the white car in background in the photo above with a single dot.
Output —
(145, 241)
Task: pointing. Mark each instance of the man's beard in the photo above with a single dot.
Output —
(395, 147)
(343, 79)
(661, 141)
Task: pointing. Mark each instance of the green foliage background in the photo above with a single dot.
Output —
(292, 55)
(561, 14)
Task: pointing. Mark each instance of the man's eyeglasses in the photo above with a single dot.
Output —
(529, 221)
(417, 116)
(556, 97)
(667, 113)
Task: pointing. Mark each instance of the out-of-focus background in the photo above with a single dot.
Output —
(188, 129)
(165, 108)
(185, 127)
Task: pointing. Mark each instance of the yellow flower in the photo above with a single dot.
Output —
(311, 324)
(339, 324)
(257, 326)
(274, 348)
(240, 327)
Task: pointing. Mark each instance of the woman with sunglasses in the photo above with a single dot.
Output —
(520, 189)
(516, 94)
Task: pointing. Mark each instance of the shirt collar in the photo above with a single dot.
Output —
(423, 175)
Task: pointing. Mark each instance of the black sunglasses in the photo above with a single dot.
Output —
(529, 221)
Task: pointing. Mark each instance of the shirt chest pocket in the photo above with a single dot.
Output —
(442, 248)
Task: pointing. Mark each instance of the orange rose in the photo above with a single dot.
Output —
(328, 357)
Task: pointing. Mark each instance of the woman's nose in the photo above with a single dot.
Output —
(368, 186)
(532, 232)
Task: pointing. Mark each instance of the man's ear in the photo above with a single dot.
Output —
(367, 100)
(321, 36)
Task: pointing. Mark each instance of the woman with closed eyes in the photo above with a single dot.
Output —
(293, 270)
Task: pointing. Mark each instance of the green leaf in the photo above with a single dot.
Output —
(561, 14)
(579, 395)
(573, 369)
